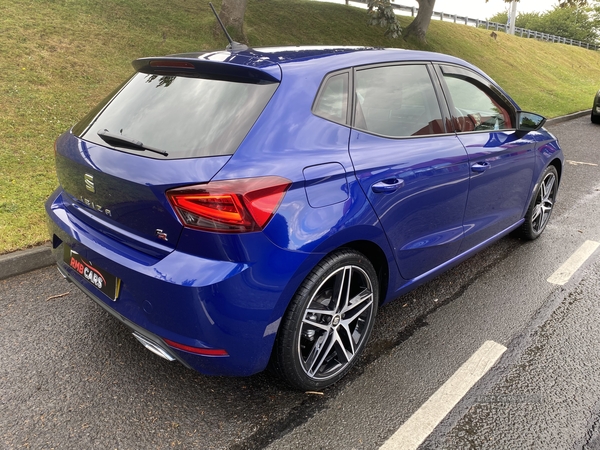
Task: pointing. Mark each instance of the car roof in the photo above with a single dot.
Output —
(275, 60)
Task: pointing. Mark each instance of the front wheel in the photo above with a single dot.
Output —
(540, 208)
(328, 322)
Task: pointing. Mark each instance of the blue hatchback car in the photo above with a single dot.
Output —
(243, 208)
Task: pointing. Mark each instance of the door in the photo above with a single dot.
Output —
(501, 164)
(413, 172)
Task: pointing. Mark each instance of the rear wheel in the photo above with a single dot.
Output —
(540, 208)
(328, 322)
(595, 118)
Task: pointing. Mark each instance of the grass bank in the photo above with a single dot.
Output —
(60, 57)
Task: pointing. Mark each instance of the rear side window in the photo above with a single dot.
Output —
(397, 101)
(186, 117)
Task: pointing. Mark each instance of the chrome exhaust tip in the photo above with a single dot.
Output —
(153, 347)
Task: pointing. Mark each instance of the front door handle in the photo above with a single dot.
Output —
(481, 167)
(387, 186)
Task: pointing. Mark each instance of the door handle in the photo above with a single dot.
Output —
(387, 186)
(481, 167)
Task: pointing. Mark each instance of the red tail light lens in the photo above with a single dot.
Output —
(197, 350)
(232, 206)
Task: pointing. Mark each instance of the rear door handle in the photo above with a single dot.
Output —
(387, 186)
(481, 167)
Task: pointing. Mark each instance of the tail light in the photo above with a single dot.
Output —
(197, 350)
(231, 206)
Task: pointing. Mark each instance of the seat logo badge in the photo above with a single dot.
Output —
(89, 182)
(336, 320)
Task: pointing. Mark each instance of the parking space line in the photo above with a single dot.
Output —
(420, 425)
(570, 266)
(579, 163)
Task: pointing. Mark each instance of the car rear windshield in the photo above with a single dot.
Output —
(184, 117)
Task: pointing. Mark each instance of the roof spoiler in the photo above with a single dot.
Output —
(204, 68)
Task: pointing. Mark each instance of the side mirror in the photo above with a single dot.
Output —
(527, 122)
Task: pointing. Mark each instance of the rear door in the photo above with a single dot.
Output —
(501, 164)
(409, 163)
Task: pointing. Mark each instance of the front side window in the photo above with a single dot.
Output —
(397, 101)
(476, 108)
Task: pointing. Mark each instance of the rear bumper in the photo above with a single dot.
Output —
(149, 340)
(193, 301)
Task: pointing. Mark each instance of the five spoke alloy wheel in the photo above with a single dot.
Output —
(329, 321)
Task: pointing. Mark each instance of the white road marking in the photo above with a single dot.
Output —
(577, 163)
(420, 425)
(566, 271)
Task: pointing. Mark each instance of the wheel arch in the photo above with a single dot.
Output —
(372, 251)
(557, 163)
(377, 258)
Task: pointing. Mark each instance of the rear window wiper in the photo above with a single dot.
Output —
(118, 140)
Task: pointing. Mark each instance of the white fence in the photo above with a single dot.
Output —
(494, 26)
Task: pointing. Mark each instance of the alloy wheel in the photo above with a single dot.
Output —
(544, 203)
(336, 323)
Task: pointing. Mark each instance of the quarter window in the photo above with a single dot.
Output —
(397, 101)
(332, 101)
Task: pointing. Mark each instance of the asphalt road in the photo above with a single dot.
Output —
(73, 377)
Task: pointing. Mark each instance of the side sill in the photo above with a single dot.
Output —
(427, 276)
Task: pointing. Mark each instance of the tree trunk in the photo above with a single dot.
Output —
(418, 27)
(232, 14)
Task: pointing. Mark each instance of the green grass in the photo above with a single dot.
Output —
(60, 57)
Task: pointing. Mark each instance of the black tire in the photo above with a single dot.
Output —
(328, 322)
(540, 208)
(595, 118)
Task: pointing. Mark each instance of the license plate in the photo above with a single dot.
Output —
(106, 282)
